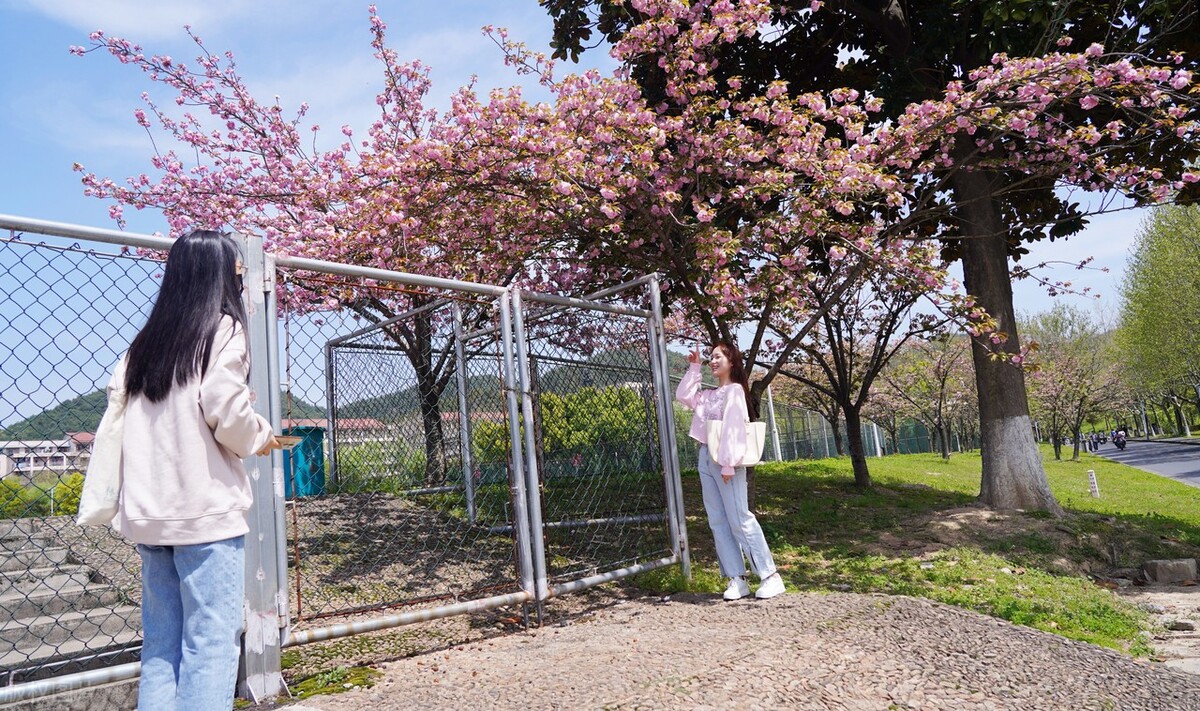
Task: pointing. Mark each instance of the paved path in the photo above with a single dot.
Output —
(1170, 459)
(797, 651)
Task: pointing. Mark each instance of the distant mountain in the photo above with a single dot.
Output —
(79, 414)
(83, 413)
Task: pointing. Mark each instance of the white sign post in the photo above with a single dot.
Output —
(1093, 484)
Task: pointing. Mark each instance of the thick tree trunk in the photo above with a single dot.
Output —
(1075, 453)
(1013, 477)
(858, 456)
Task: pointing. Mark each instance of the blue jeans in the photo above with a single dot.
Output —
(734, 528)
(192, 598)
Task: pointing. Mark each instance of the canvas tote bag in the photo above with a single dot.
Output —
(102, 483)
(756, 437)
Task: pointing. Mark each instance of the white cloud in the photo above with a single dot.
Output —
(146, 20)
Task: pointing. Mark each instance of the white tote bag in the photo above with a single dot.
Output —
(756, 437)
(102, 484)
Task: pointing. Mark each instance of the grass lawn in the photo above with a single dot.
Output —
(918, 532)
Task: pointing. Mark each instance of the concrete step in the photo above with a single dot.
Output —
(18, 527)
(23, 541)
(67, 657)
(51, 577)
(71, 597)
(30, 632)
(27, 558)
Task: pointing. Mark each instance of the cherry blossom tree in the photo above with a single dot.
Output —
(733, 190)
(922, 53)
(858, 334)
(1075, 374)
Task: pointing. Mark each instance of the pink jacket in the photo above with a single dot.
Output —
(181, 460)
(726, 403)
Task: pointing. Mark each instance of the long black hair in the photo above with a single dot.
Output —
(200, 285)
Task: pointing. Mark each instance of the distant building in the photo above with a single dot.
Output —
(29, 457)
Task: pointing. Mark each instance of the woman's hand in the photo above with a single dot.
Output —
(694, 356)
(728, 476)
(271, 444)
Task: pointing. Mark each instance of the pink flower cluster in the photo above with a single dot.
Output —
(734, 197)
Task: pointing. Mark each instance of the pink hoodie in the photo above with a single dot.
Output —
(727, 403)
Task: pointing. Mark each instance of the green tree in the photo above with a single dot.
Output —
(1158, 337)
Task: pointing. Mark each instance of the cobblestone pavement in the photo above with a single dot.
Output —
(797, 651)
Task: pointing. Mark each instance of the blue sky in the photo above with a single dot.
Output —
(60, 109)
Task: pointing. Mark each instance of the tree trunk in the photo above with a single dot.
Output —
(1013, 477)
(1181, 425)
(835, 432)
(944, 437)
(1075, 454)
(431, 423)
(429, 392)
(858, 456)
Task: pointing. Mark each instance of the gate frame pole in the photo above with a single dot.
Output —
(533, 490)
(774, 426)
(260, 674)
(464, 419)
(667, 441)
(516, 481)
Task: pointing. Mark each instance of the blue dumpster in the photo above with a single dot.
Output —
(304, 464)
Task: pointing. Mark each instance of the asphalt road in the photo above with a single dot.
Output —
(1178, 461)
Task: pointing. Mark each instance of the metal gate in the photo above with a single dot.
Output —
(464, 447)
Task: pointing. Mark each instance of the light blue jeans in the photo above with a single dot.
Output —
(734, 528)
(192, 599)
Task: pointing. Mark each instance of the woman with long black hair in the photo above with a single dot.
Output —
(189, 422)
(722, 477)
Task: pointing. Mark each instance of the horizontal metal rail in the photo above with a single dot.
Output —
(94, 234)
(584, 522)
(68, 682)
(387, 322)
(601, 578)
(382, 623)
(317, 265)
(582, 304)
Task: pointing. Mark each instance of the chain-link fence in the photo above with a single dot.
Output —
(603, 494)
(384, 509)
(69, 596)
(460, 449)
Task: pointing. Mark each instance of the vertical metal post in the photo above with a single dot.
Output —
(266, 603)
(533, 480)
(878, 442)
(824, 434)
(464, 418)
(791, 413)
(516, 481)
(774, 428)
(330, 414)
(666, 405)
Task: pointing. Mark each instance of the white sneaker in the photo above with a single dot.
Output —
(738, 588)
(770, 587)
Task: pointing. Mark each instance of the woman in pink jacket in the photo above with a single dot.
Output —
(189, 421)
(722, 479)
